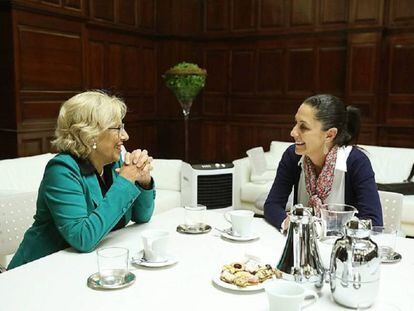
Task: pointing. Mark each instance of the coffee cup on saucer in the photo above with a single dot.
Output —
(155, 245)
(241, 222)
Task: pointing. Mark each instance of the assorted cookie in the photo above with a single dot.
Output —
(247, 273)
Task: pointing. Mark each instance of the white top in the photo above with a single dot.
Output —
(58, 281)
(337, 194)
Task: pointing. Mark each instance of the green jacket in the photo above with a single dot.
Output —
(71, 210)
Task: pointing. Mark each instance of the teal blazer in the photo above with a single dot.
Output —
(71, 210)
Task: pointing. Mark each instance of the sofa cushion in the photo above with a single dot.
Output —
(251, 191)
(23, 174)
(390, 164)
(167, 174)
(166, 199)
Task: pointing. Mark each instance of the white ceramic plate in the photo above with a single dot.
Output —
(250, 288)
(138, 260)
(229, 236)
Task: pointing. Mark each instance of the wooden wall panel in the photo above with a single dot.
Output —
(102, 10)
(243, 17)
(334, 12)
(216, 16)
(302, 12)
(270, 71)
(401, 13)
(301, 70)
(127, 12)
(399, 108)
(332, 69)
(96, 65)
(363, 73)
(367, 12)
(271, 14)
(147, 14)
(242, 71)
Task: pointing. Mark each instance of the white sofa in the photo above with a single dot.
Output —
(389, 164)
(20, 180)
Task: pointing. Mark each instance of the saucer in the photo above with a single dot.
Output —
(394, 257)
(185, 229)
(141, 261)
(94, 282)
(230, 236)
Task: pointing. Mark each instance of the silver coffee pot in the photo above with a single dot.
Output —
(300, 260)
(355, 267)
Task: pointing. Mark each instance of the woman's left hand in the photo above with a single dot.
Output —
(142, 161)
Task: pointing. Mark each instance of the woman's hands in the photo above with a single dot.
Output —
(137, 167)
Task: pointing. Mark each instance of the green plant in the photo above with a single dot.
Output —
(185, 80)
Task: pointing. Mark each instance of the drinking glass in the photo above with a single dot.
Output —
(385, 237)
(334, 216)
(112, 265)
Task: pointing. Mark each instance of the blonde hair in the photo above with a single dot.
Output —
(82, 118)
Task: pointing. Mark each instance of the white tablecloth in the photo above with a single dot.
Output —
(58, 281)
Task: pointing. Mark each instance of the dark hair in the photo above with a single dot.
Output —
(331, 112)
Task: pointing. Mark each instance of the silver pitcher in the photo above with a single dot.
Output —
(355, 267)
(300, 260)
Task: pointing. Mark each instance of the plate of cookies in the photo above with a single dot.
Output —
(248, 275)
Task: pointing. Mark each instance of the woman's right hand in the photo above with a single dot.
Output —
(136, 167)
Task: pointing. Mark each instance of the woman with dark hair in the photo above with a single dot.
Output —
(322, 166)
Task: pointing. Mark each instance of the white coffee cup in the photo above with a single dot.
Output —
(288, 296)
(155, 245)
(241, 222)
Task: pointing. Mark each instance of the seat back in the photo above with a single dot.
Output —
(391, 203)
(16, 216)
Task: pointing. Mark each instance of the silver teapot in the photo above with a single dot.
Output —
(300, 260)
(355, 267)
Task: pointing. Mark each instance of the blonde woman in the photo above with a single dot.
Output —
(87, 190)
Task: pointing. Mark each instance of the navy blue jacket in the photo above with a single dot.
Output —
(360, 188)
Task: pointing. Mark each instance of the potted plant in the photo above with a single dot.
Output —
(185, 80)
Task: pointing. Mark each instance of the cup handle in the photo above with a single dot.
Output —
(227, 217)
(310, 293)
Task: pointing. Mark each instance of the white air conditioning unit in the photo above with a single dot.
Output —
(207, 184)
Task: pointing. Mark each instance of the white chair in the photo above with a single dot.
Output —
(391, 203)
(16, 216)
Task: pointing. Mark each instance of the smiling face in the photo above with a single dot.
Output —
(309, 136)
(108, 145)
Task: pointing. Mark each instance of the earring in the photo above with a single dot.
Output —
(94, 146)
(325, 149)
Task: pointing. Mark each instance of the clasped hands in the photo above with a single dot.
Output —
(137, 167)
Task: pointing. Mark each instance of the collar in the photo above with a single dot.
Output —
(87, 168)
(341, 158)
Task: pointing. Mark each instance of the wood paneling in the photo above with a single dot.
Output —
(243, 15)
(271, 14)
(242, 71)
(367, 12)
(102, 10)
(263, 58)
(334, 12)
(302, 12)
(216, 16)
(401, 13)
(127, 12)
(301, 70)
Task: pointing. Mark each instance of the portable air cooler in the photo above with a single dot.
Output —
(207, 184)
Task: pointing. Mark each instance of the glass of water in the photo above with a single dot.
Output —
(112, 265)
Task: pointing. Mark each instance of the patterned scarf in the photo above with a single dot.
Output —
(320, 187)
